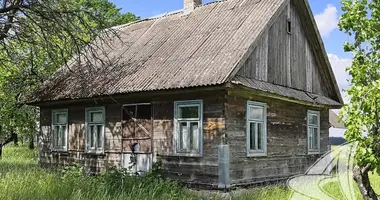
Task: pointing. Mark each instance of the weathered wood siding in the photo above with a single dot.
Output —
(286, 58)
(198, 170)
(223, 118)
(286, 140)
(76, 148)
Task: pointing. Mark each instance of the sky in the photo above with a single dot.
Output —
(326, 13)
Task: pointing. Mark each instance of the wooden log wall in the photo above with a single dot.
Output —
(198, 170)
(286, 58)
(76, 148)
(286, 140)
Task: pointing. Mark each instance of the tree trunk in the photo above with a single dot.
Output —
(31, 143)
(362, 179)
(1, 150)
(15, 138)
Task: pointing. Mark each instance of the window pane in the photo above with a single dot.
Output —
(188, 112)
(99, 136)
(144, 112)
(260, 139)
(92, 137)
(310, 138)
(315, 138)
(194, 130)
(60, 118)
(184, 138)
(55, 135)
(63, 136)
(129, 112)
(252, 131)
(96, 116)
(256, 112)
(313, 119)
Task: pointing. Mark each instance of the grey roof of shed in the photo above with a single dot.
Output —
(174, 51)
(285, 91)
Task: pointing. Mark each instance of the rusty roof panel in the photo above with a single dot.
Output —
(173, 51)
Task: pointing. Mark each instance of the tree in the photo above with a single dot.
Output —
(36, 38)
(361, 21)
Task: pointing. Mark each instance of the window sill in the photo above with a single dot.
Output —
(313, 152)
(256, 154)
(190, 155)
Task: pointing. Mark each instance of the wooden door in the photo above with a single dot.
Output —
(137, 126)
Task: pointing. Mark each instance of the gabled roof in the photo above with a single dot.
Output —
(180, 50)
(174, 51)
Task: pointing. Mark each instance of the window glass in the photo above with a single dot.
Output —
(313, 119)
(184, 136)
(99, 136)
(256, 129)
(188, 112)
(129, 112)
(144, 112)
(194, 130)
(259, 136)
(95, 129)
(60, 118)
(62, 135)
(96, 117)
(59, 130)
(252, 136)
(313, 131)
(256, 113)
(188, 127)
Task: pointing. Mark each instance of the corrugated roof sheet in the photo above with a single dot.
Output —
(334, 120)
(285, 91)
(174, 51)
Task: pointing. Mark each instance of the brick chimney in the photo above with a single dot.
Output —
(191, 4)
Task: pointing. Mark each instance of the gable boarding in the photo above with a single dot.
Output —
(285, 58)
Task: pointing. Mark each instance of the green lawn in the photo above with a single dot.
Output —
(21, 178)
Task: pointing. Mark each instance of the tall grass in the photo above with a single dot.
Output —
(22, 179)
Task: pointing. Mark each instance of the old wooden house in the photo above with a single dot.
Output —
(225, 94)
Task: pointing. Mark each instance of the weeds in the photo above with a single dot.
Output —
(22, 179)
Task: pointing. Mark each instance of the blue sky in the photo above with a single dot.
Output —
(326, 13)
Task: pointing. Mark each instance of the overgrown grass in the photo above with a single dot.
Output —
(21, 178)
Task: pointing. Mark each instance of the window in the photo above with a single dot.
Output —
(289, 26)
(188, 127)
(256, 128)
(60, 130)
(313, 134)
(95, 122)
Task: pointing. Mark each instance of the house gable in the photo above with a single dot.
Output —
(292, 59)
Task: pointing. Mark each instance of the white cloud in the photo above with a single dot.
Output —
(339, 66)
(327, 21)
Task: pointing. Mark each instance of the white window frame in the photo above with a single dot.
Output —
(315, 113)
(66, 134)
(87, 129)
(256, 153)
(177, 120)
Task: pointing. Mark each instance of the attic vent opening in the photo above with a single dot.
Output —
(289, 26)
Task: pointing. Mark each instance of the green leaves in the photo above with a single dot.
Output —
(360, 20)
(47, 35)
